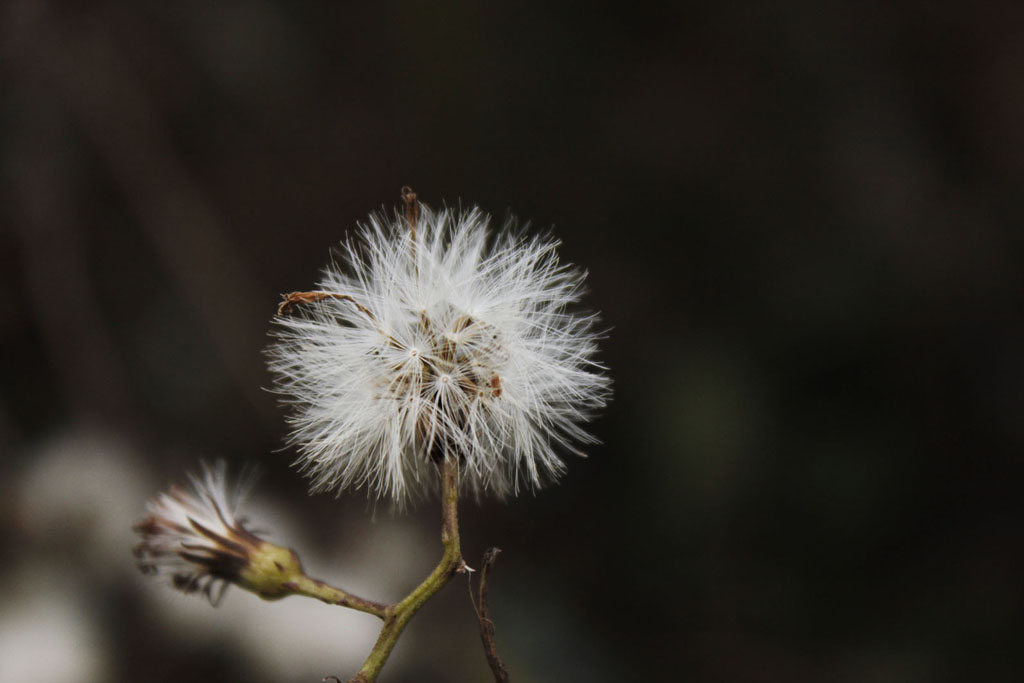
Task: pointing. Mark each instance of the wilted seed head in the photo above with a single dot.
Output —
(198, 540)
(436, 338)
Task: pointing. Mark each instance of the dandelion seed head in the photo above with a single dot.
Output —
(198, 540)
(446, 341)
(180, 536)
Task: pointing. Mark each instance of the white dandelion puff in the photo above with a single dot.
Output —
(443, 340)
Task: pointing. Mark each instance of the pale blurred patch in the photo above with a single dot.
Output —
(290, 639)
(46, 634)
(85, 489)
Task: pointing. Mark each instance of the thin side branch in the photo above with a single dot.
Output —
(486, 625)
(412, 217)
(293, 299)
(412, 209)
(314, 588)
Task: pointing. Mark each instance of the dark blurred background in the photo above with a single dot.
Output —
(802, 221)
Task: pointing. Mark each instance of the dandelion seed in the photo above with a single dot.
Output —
(439, 341)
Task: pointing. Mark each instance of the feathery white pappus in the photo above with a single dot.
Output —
(197, 537)
(445, 340)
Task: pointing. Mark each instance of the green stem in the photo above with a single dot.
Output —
(397, 616)
(314, 588)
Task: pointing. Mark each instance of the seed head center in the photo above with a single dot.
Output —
(462, 355)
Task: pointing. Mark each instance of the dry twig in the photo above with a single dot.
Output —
(486, 625)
